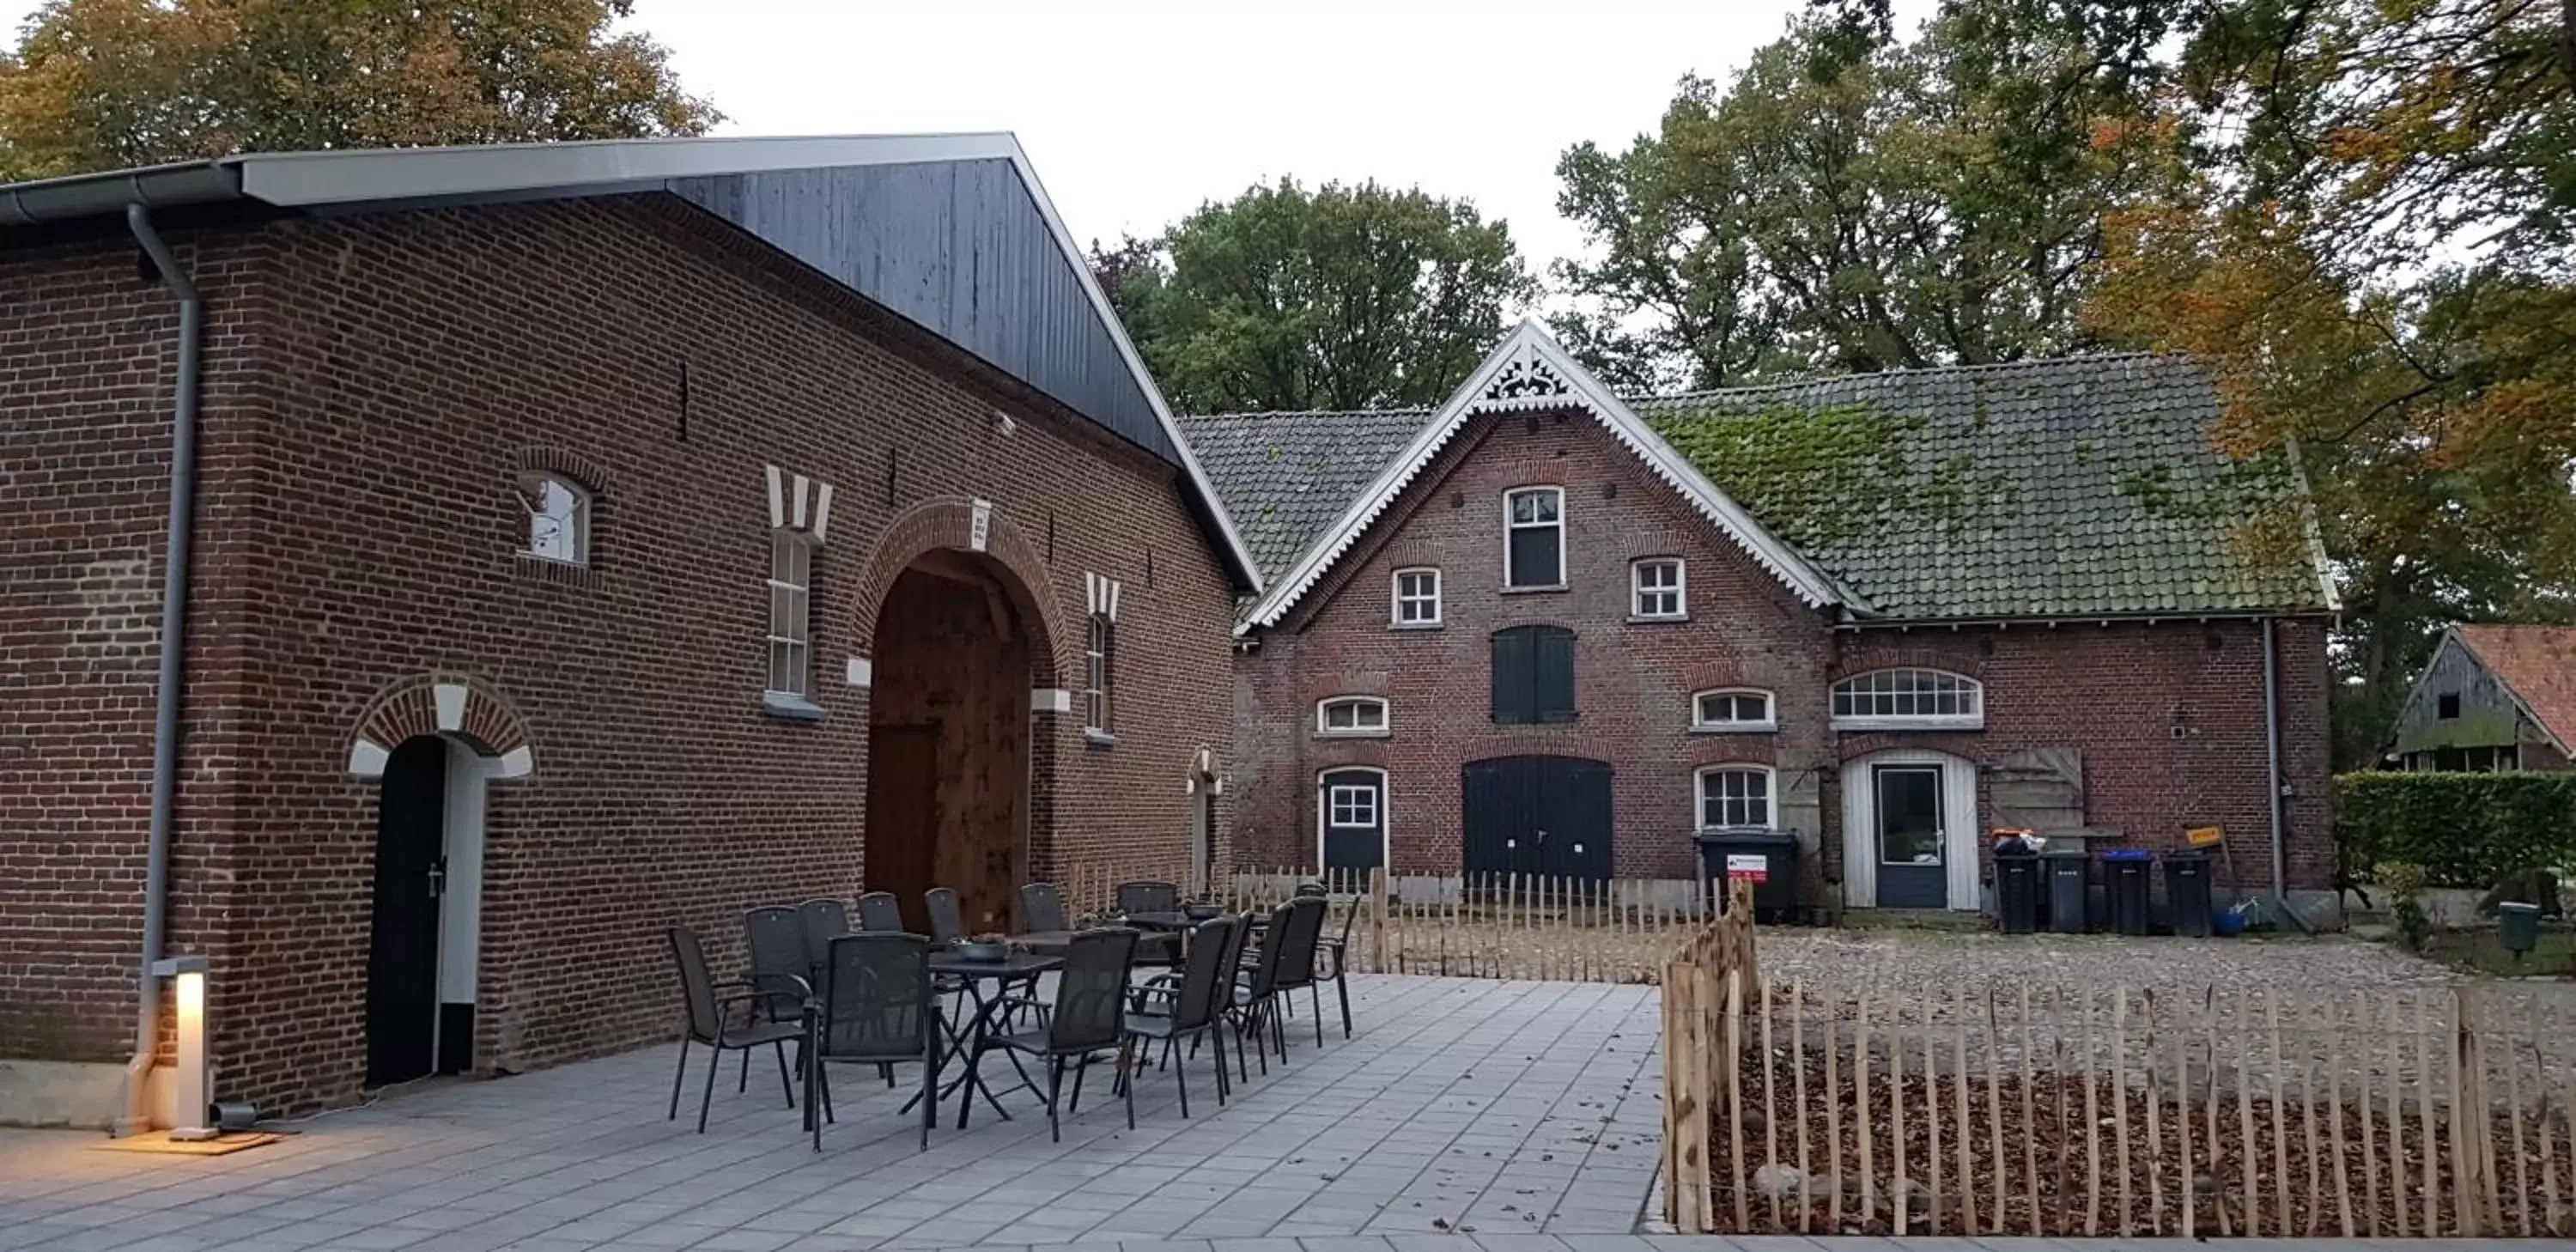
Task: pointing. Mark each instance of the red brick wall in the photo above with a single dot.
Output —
(399, 370)
(2114, 693)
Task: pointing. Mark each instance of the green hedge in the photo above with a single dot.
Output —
(2466, 830)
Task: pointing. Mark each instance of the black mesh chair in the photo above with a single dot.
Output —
(1253, 1008)
(781, 973)
(1188, 1010)
(947, 922)
(877, 1009)
(1149, 897)
(879, 914)
(1296, 944)
(825, 921)
(1042, 907)
(706, 1001)
(1089, 1017)
(1335, 952)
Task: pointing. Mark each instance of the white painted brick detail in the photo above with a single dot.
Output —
(862, 672)
(367, 758)
(1050, 700)
(451, 706)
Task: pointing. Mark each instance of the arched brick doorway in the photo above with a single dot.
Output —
(949, 743)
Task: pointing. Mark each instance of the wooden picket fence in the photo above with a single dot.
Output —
(2056, 1111)
(1472, 926)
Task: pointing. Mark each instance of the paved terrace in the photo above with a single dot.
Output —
(1486, 1107)
(1522, 1115)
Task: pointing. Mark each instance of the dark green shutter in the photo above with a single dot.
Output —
(1552, 680)
(1514, 676)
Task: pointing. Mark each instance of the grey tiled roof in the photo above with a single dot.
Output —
(1285, 476)
(2083, 485)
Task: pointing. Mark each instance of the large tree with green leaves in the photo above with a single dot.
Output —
(1917, 203)
(1342, 297)
(101, 84)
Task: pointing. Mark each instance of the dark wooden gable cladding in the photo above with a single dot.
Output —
(960, 248)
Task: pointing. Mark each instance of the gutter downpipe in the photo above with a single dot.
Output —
(174, 622)
(2272, 772)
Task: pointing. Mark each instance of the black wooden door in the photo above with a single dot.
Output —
(1546, 815)
(1351, 803)
(402, 951)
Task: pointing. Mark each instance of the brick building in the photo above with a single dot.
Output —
(1546, 630)
(611, 534)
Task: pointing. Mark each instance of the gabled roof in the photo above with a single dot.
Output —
(2072, 488)
(953, 232)
(1530, 372)
(2076, 487)
(2538, 665)
(1288, 476)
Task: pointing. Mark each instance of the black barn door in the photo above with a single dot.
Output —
(402, 953)
(1547, 815)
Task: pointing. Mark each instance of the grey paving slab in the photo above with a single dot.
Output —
(1457, 1096)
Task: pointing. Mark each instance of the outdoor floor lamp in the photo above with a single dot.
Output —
(188, 975)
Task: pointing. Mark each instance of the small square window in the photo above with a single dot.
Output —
(558, 518)
(1351, 807)
(1656, 588)
(1417, 597)
(1734, 797)
(2447, 705)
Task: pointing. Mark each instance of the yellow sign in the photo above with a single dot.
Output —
(2202, 836)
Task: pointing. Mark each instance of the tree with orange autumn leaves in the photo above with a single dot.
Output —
(2363, 221)
(103, 84)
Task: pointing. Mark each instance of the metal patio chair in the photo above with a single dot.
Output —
(879, 914)
(1297, 943)
(1253, 1006)
(1088, 1018)
(705, 1001)
(1042, 908)
(825, 921)
(781, 976)
(947, 921)
(1149, 897)
(1189, 1010)
(877, 1009)
(1337, 948)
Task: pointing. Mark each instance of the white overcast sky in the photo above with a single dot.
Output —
(1134, 117)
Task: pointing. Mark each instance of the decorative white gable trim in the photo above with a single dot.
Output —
(1528, 372)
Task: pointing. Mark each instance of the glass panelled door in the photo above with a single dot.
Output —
(1911, 874)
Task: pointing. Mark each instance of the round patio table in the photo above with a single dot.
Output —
(975, 974)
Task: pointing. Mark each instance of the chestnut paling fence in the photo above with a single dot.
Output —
(1467, 925)
(2030, 1108)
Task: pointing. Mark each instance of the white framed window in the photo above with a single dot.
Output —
(558, 518)
(1350, 808)
(1734, 795)
(1655, 588)
(1099, 658)
(1909, 699)
(1534, 537)
(1351, 715)
(791, 587)
(1417, 597)
(1736, 710)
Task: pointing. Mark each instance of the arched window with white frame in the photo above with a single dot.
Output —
(1733, 795)
(1353, 717)
(1909, 698)
(1733, 710)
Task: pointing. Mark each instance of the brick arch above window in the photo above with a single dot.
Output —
(590, 475)
(1863, 659)
(458, 706)
(979, 527)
